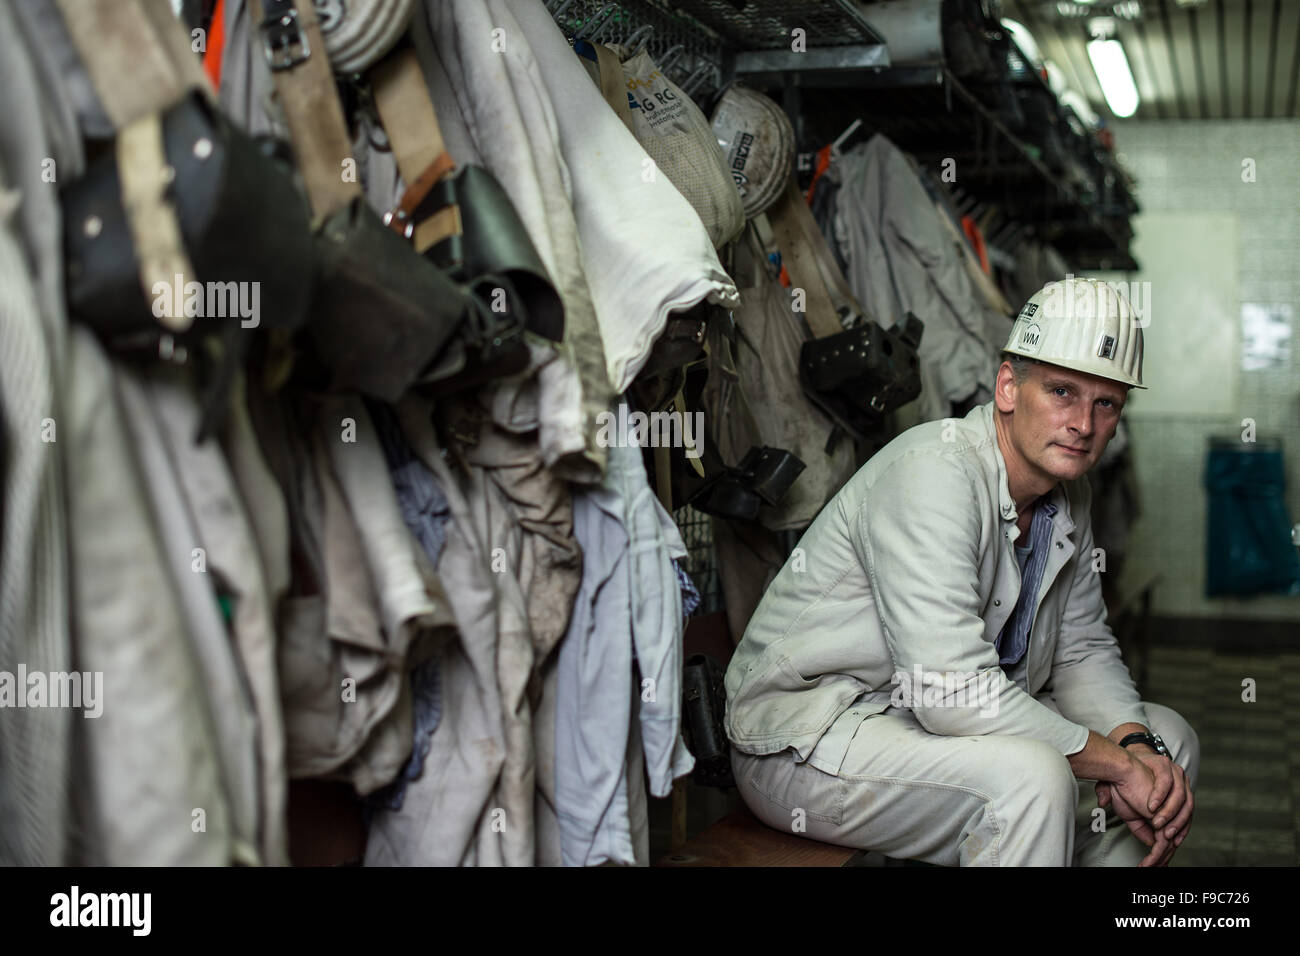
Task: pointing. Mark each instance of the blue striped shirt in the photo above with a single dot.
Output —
(1014, 639)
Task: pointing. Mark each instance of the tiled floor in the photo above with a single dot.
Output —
(1248, 794)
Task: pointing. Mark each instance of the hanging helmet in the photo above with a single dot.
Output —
(1081, 324)
(758, 139)
(358, 32)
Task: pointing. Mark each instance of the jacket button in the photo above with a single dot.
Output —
(1060, 544)
(997, 603)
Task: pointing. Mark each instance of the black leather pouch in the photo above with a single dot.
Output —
(493, 242)
(383, 315)
(860, 374)
(242, 219)
(704, 704)
(491, 253)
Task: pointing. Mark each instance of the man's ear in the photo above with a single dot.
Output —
(1005, 390)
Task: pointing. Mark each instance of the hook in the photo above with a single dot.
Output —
(696, 79)
(671, 56)
(601, 16)
(648, 29)
(604, 26)
(853, 128)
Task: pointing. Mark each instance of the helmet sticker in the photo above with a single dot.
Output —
(1106, 348)
(1028, 311)
(1031, 338)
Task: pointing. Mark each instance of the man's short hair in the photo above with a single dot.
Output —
(1020, 365)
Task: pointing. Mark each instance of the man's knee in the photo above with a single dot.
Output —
(1034, 773)
(1178, 735)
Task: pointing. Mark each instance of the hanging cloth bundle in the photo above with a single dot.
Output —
(854, 374)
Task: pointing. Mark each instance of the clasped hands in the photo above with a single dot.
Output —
(1154, 798)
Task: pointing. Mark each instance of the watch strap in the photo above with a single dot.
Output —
(1151, 740)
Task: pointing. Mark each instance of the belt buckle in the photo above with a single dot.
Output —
(283, 41)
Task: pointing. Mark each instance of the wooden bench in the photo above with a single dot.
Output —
(741, 839)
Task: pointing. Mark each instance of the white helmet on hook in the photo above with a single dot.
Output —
(758, 140)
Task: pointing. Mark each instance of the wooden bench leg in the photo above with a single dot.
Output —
(677, 835)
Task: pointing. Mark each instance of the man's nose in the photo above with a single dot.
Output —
(1082, 421)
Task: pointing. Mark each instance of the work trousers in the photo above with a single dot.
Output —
(990, 800)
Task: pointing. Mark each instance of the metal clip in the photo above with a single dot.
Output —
(407, 224)
(283, 41)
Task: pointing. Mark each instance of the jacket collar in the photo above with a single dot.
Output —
(1059, 496)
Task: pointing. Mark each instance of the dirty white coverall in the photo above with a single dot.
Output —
(912, 565)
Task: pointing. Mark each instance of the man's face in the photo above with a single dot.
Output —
(1061, 419)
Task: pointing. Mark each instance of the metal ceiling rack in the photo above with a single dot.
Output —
(689, 53)
(844, 73)
(931, 114)
(698, 43)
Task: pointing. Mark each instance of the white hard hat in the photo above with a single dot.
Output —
(1081, 324)
(758, 139)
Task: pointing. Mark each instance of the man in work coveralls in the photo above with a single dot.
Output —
(931, 675)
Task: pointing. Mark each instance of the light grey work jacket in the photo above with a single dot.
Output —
(912, 566)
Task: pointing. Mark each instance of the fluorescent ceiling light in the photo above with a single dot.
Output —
(1113, 73)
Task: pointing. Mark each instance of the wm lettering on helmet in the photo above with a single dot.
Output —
(1031, 338)
(739, 157)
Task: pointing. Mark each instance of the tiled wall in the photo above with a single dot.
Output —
(1197, 167)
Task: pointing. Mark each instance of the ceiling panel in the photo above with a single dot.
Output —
(1216, 59)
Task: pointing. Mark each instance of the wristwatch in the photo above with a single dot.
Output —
(1151, 740)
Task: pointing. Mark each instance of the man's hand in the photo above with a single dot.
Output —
(1153, 798)
(1109, 794)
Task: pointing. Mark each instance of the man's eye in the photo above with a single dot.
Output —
(1061, 390)
(1105, 402)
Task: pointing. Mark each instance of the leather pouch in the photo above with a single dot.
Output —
(704, 703)
(242, 219)
(858, 375)
(383, 315)
(489, 250)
